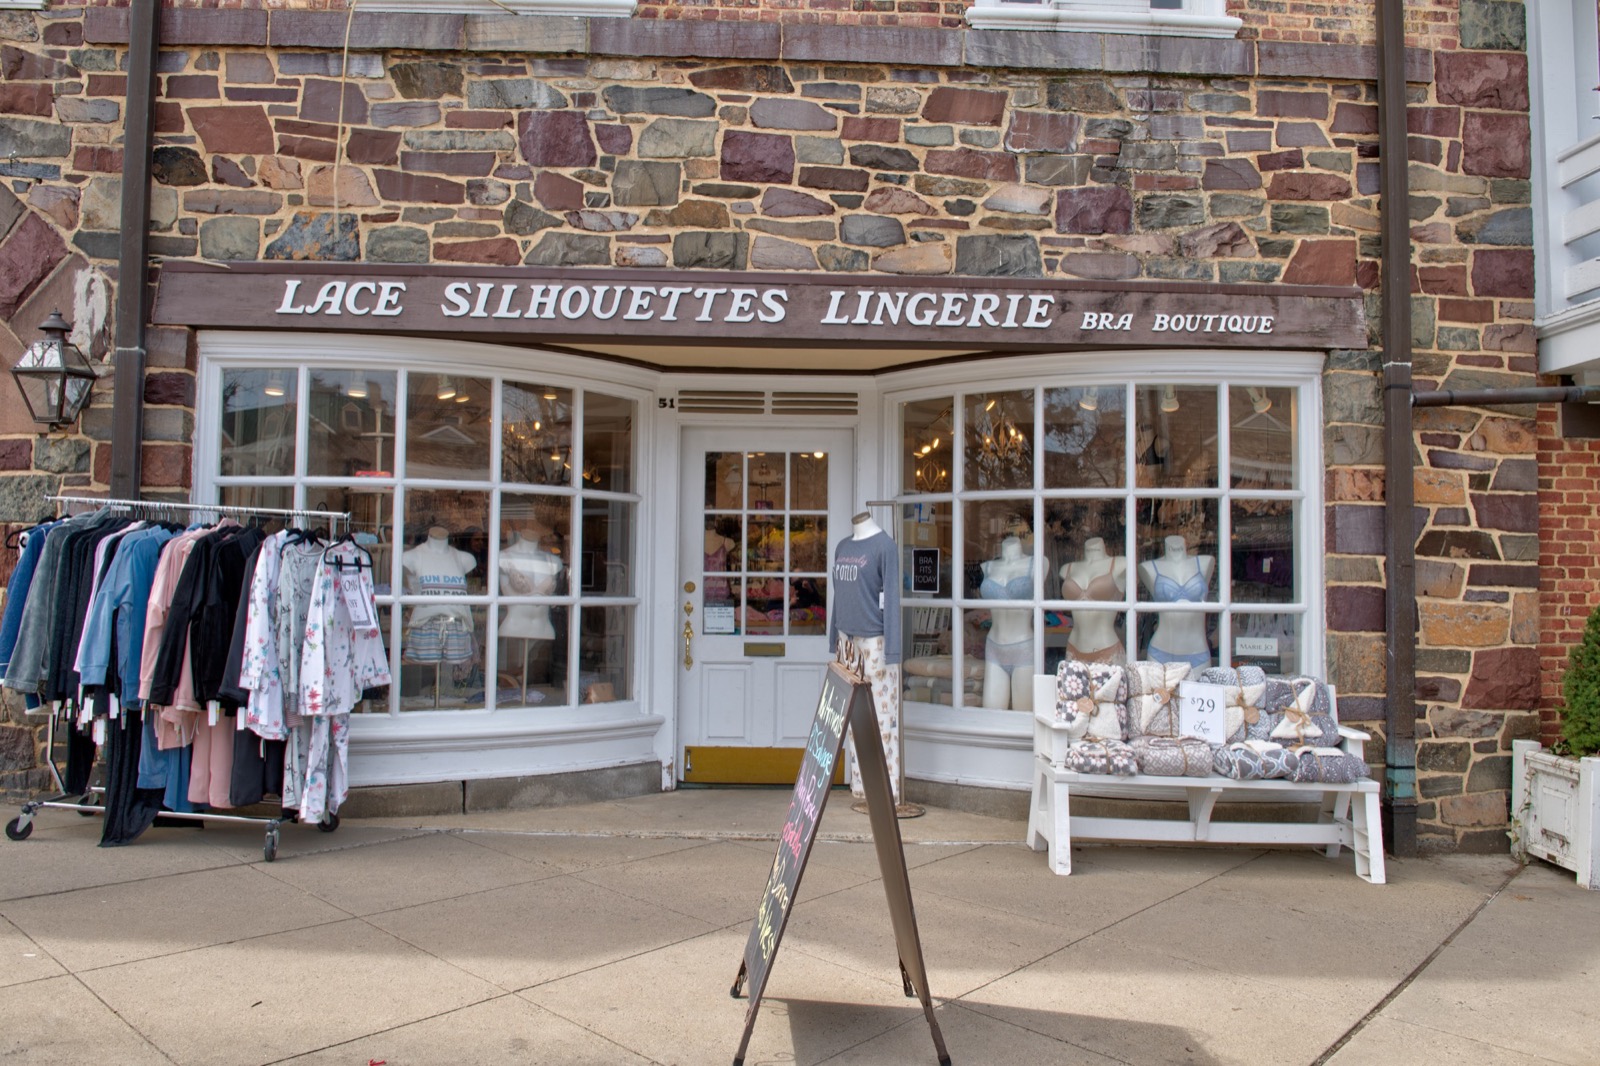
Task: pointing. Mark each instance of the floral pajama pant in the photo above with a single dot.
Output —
(885, 681)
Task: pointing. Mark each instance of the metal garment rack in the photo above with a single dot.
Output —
(21, 827)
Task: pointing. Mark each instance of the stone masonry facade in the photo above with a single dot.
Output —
(782, 146)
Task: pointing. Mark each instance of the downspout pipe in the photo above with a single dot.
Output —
(1399, 533)
(127, 416)
(1507, 397)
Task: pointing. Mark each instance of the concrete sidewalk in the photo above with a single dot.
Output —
(610, 934)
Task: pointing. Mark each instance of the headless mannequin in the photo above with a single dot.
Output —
(1178, 577)
(862, 526)
(883, 676)
(1008, 651)
(434, 566)
(1094, 633)
(528, 570)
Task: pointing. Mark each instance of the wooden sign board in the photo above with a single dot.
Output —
(743, 307)
(846, 699)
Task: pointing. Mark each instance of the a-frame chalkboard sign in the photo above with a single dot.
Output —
(846, 698)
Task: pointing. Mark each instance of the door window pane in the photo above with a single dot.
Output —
(258, 422)
(808, 606)
(808, 481)
(999, 549)
(1179, 636)
(536, 435)
(999, 449)
(605, 654)
(1263, 551)
(1177, 550)
(1176, 446)
(441, 657)
(927, 429)
(1262, 449)
(533, 670)
(767, 478)
(766, 605)
(352, 423)
(273, 497)
(724, 481)
(607, 442)
(1085, 437)
(371, 521)
(808, 543)
(1270, 641)
(607, 548)
(448, 419)
(446, 546)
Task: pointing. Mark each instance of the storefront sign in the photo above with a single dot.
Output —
(644, 306)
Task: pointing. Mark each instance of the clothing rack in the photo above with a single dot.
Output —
(219, 508)
(21, 827)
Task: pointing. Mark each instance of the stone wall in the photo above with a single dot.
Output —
(1440, 24)
(895, 152)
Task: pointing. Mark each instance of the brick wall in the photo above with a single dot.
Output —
(538, 153)
(1569, 581)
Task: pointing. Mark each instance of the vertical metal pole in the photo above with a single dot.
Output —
(127, 416)
(1400, 538)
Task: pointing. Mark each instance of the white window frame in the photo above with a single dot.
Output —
(423, 745)
(1196, 18)
(22, 5)
(980, 746)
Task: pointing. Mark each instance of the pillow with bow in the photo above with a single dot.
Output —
(1172, 756)
(1246, 688)
(1254, 760)
(1102, 757)
(1330, 766)
(1153, 697)
(1298, 712)
(1091, 698)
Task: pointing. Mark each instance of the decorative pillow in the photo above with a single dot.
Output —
(1254, 760)
(1297, 719)
(1328, 766)
(1096, 692)
(1153, 697)
(1102, 757)
(1172, 756)
(1246, 688)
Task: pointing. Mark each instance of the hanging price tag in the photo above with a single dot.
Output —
(1203, 712)
(356, 602)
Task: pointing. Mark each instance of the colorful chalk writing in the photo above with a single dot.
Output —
(822, 749)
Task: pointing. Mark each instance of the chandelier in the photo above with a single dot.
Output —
(998, 436)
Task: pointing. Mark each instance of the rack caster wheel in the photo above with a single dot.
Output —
(91, 801)
(270, 850)
(17, 829)
(329, 824)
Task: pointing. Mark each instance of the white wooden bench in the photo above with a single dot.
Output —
(1348, 816)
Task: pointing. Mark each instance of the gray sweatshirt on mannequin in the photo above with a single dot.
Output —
(863, 572)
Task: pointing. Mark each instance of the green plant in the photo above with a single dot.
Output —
(1580, 690)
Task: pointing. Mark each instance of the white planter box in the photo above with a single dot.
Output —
(1555, 810)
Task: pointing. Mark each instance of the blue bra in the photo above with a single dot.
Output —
(1169, 590)
(1018, 588)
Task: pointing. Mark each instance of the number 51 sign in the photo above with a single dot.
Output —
(1203, 711)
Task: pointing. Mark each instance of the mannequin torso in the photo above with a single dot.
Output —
(1008, 651)
(434, 567)
(1096, 576)
(1178, 577)
(528, 570)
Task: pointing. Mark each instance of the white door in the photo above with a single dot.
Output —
(761, 508)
